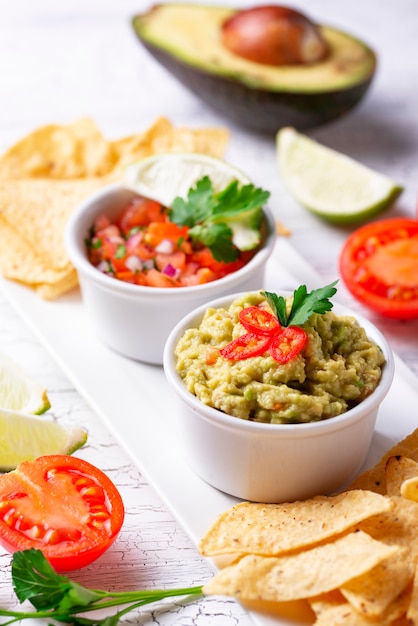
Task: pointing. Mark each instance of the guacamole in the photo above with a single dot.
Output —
(337, 369)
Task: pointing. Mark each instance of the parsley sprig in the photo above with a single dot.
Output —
(304, 304)
(55, 597)
(207, 213)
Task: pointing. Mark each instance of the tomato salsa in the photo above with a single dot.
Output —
(143, 247)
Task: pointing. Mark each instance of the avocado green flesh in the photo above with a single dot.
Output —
(191, 34)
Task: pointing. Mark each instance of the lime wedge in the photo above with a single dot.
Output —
(163, 177)
(331, 184)
(20, 392)
(24, 437)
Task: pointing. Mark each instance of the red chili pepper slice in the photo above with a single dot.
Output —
(286, 344)
(258, 321)
(246, 346)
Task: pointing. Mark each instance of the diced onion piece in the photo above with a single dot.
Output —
(165, 246)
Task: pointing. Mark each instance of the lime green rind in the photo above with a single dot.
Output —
(76, 445)
(19, 391)
(358, 216)
(45, 406)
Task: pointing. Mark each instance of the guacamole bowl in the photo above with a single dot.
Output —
(135, 320)
(265, 461)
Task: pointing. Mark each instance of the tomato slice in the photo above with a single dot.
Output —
(379, 265)
(246, 346)
(258, 320)
(286, 344)
(61, 505)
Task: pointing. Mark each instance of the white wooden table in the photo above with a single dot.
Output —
(73, 58)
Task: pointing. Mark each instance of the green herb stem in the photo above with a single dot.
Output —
(56, 597)
(134, 599)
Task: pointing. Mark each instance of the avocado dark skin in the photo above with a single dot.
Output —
(255, 100)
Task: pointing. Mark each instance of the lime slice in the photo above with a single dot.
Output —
(163, 177)
(24, 437)
(330, 184)
(20, 392)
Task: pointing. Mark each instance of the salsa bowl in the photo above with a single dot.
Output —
(274, 462)
(135, 320)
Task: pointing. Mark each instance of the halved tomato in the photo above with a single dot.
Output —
(61, 505)
(379, 265)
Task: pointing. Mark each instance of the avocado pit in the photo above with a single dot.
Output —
(273, 35)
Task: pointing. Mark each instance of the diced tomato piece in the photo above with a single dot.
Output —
(141, 250)
(127, 276)
(101, 222)
(158, 231)
(211, 355)
(203, 275)
(140, 212)
(154, 278)
(205, 259)
(176, 259)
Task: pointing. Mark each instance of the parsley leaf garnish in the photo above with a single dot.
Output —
(304, 304)
(206, 213)
(56, 597)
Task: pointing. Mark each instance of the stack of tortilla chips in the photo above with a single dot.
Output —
(349, 559)
(46, 174)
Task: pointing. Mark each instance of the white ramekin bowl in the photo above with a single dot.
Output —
(274, 462)
(133, 320)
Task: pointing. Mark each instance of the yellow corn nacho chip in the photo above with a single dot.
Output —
(301, 575)
(397, 470)
(374, 478)
(332, 609)
(412, 611)
(270, 529)
(76, 150)
(372, 593)
(397, 527)
(38, 210)
(163, 137)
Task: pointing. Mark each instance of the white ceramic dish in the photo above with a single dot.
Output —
(274, 462)
(135, 320)
(150, 438)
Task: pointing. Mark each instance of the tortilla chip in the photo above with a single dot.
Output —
(163, 137)
(76, 150)
(372, 593)
(397, 470)
(374, 478)
(39, 209)
(331, 609)
(301, 575)
(412, 612)
(271, 529)
(20, 262)
(397, 527)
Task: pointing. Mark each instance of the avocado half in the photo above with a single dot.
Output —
(185, 39)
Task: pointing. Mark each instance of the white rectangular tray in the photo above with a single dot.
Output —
(139, 408)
